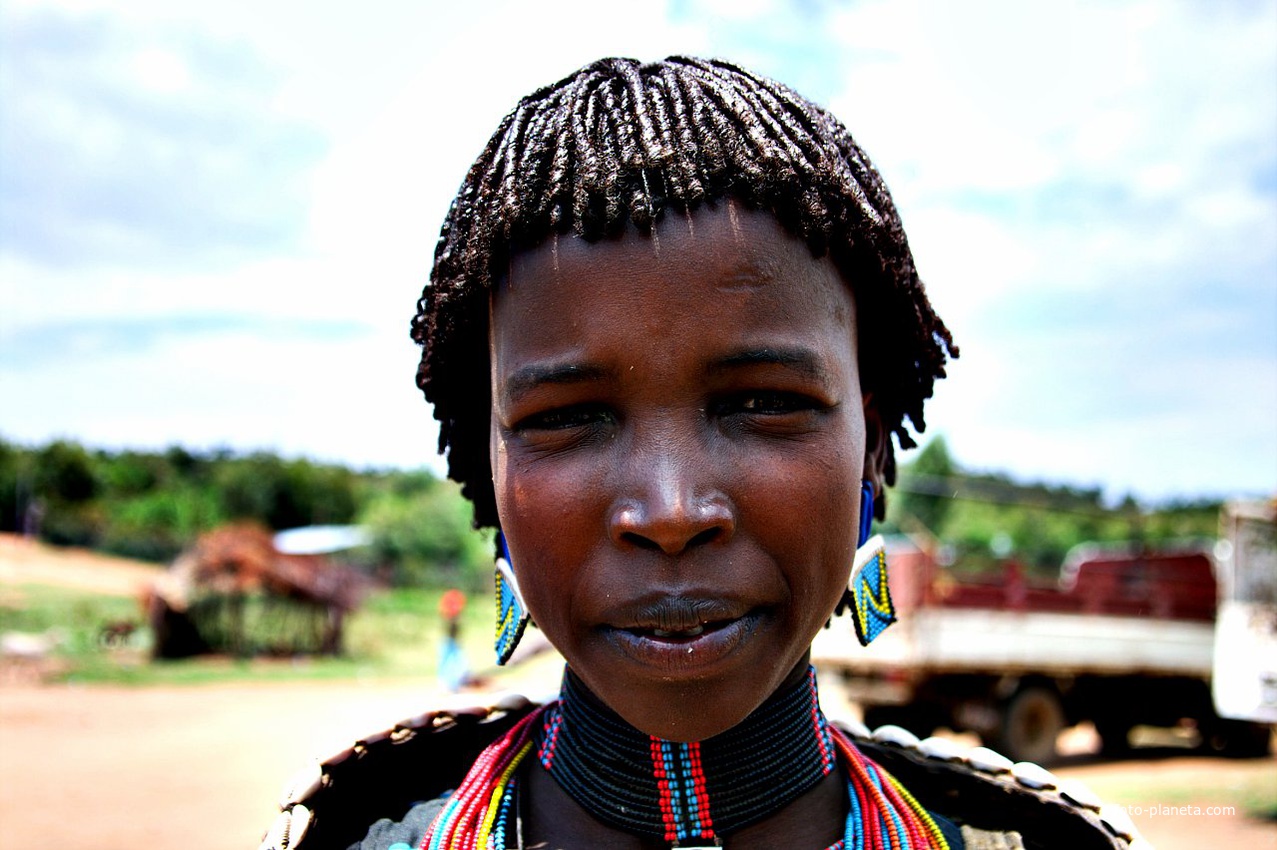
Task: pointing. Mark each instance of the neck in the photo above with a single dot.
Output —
(686, 792)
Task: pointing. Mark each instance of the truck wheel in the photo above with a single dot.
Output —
(1031, 721)
(1238, 738)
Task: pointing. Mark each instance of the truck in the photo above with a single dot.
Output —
(1244, 685)
(1124, 636)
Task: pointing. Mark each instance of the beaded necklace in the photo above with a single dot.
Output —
(686, 794)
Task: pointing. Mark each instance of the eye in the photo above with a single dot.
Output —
(771, 403)
(771, 413)
(564, 418)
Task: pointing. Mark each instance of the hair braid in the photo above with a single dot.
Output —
(619, 141)
(687, 153)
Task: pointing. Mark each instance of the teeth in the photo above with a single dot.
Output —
(692, 632)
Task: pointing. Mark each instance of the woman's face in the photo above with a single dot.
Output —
(678, 436)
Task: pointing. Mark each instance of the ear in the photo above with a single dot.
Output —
(878, 455)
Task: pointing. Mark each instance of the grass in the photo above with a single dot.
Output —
(1171, 778)
(395, 634)
(73, 618)
(1249, 786)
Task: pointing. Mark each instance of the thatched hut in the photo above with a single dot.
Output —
(234, 591)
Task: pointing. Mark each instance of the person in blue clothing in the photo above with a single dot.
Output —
(454, 672)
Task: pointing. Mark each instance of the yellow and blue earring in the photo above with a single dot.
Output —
(512, 614)
(868, 595)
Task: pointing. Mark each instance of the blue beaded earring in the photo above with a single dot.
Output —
(867, 594)
(512, 614)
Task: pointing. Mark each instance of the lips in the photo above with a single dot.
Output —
(676, 615)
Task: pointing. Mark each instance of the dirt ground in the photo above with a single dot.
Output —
(108, 768)
(25, 561)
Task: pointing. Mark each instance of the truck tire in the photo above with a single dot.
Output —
(1031, 721)
(1237, 738)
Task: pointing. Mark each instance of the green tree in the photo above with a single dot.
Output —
(64, 483)
(130, 473)
(157, 526)
(13, 486)
(421, 530)
(925, 489)
(64, 472)
(255, 488)
(285, 494)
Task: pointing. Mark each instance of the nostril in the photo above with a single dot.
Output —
(641, 542)
(709, 535)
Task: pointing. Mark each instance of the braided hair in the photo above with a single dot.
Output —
(623, 141)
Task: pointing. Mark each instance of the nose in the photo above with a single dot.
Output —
(669, 503)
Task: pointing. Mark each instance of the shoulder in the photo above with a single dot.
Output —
(995, 802)
(388, 775)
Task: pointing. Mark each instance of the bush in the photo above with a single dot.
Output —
(421, 527)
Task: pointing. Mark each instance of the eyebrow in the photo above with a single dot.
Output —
(529, 378)
(802, 360)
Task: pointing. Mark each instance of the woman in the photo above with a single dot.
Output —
(672, 326)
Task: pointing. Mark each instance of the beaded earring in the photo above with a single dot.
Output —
(512, 614)
(867, 594)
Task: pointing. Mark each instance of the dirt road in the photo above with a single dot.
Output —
(198, 767)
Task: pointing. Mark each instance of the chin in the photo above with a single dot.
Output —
(692, 709)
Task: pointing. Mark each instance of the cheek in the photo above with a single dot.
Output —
(549, 515)
(806, 513)
(545, 504)
(834, 526)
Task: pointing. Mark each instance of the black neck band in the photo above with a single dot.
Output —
(686, 793)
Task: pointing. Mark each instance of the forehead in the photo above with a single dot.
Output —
(721, 269)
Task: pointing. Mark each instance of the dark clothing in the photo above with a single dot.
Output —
(386, 833)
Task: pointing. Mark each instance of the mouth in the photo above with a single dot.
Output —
(683, 634)
(692, 632)
(680, 640)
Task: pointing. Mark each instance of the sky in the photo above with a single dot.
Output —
(215, 219)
